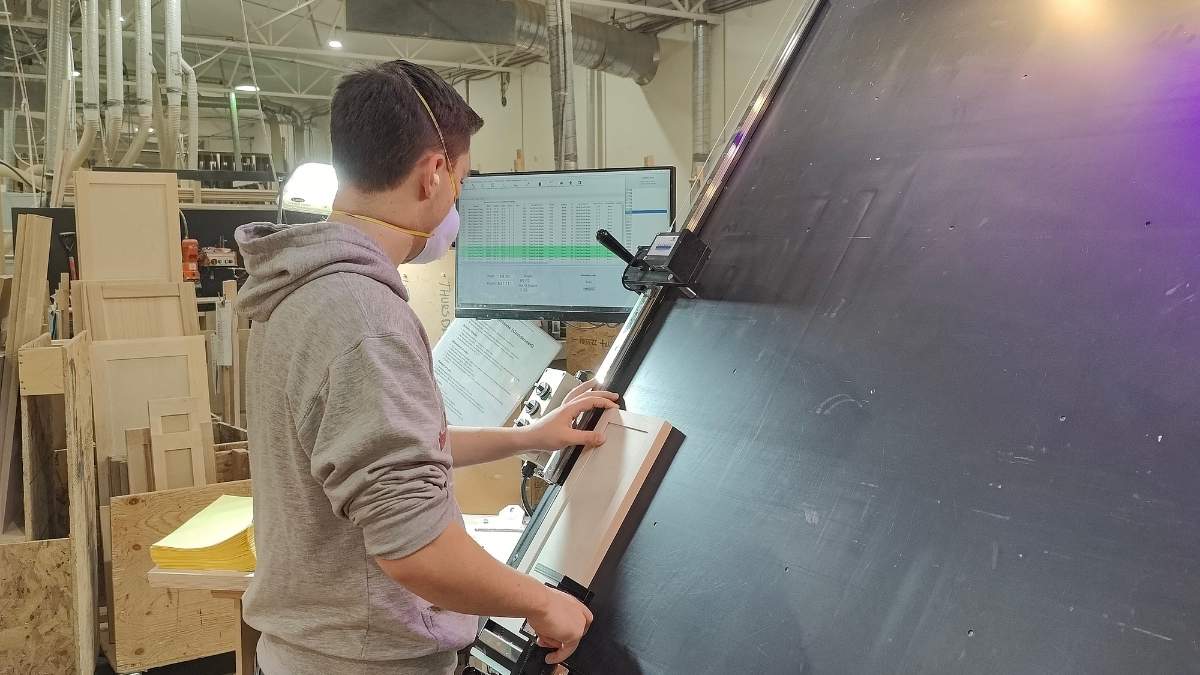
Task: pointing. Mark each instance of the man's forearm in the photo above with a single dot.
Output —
(455, 573)
(474, 445)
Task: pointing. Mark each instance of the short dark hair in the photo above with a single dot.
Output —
(379, 128)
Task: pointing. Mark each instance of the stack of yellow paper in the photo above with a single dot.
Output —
(220, 537)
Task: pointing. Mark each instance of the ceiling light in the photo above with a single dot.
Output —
(335, 44)
(74, 73)
(151, 129)
(246, 87)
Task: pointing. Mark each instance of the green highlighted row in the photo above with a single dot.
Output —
(529, 251)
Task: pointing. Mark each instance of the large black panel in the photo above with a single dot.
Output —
(940, 397)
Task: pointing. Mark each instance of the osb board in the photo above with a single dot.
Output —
(127, 375)
(431, 294)
(588, 345)
(124, 310)
(81, 489)
(488, 488)
(152, 626)
(127, 226)
(36, 634)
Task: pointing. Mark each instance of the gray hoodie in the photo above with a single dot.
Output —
(349, 455)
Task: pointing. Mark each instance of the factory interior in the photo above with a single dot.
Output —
(591, 337)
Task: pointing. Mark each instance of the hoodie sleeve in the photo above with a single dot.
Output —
(376, 431)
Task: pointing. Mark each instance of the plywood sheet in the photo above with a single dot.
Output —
(119, 310)
(127, 375)
(39, 367)
(587, 345)
(154, 626)
(24, 324)
(127, 226)
(488, 488)
(36, 633)
(431, 294)
(81, 490)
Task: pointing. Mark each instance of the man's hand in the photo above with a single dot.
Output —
(560, 624)
(556, 430)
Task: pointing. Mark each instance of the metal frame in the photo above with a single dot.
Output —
(681, 13)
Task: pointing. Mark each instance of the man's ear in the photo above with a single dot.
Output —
(426, 172)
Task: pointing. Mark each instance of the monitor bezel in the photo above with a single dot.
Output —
(550, 312)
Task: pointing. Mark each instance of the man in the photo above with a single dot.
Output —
(364, 565)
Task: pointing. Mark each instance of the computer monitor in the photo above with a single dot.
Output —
(527, 247)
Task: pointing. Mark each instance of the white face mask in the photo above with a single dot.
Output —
(440, 239)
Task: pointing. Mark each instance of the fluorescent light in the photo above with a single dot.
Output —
(335, 44)
(311, 189)
(122, 19)
(246, 87)
(74, 73)
(151, 129)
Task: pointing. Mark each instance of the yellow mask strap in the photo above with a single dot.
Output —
(405, 230)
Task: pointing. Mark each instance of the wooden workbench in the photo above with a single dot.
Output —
(221, 584)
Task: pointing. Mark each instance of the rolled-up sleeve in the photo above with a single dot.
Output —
(376, 431)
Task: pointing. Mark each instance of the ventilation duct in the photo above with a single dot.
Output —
(520, 23)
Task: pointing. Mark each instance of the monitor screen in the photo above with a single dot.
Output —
(527, 248)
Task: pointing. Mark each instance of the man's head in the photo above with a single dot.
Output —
(401, 137)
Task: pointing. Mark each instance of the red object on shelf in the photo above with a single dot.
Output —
(191, 260)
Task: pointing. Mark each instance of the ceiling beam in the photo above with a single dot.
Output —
(213, 92)
(284, 13)
(259, 47)
(648, 9)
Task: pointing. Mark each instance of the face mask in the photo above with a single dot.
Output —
(440, 239)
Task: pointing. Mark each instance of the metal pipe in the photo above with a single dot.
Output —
(114, 90)
(701, 100)
(57, 73)
(173, 32)
(237, 132)
(90, 68)
(145, 84)
(193, 103)
(562, 83)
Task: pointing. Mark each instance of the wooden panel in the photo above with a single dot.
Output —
(39, 367)
(36, 634)
(431, 294)
(127, 226)
(138, 461)
(24, 324)
(155, 627)
(81, 486)
(233, 461)
(5, 295)
(120, 310)
(37, 454)
(598, 494)
(45, 509)
(588, 345)
(127, 375)
(178, 456)
(488, 488)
